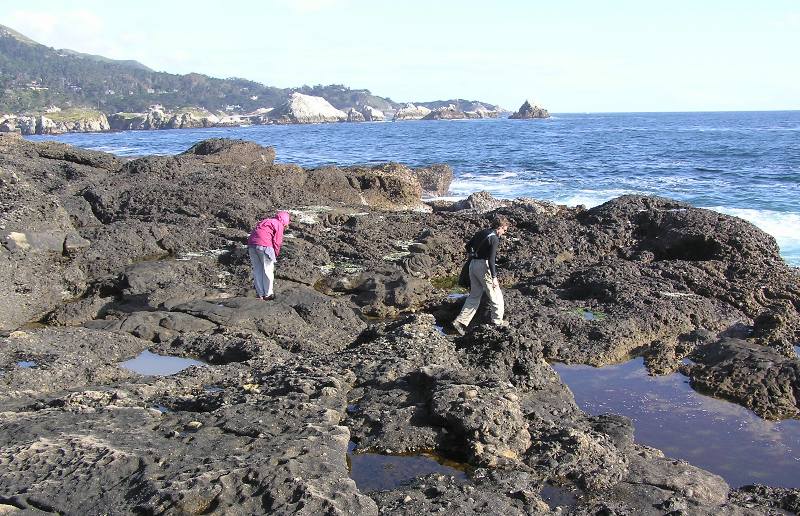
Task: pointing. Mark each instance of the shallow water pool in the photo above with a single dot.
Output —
(714, 434)
(376, 472)
(150, 364)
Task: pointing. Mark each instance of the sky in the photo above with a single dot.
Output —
(568, 55)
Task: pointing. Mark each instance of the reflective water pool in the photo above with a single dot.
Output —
(150, 364)
(716, 435)
(375, 472)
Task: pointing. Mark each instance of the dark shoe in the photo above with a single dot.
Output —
(269, 297)
(460, 329)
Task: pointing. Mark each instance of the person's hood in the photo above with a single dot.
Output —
(283, 217)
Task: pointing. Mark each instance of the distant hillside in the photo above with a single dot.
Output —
(460, 104)
(34, 76)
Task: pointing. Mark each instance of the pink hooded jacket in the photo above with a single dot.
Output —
(269, 232)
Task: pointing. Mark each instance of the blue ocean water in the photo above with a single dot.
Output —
(745, 164)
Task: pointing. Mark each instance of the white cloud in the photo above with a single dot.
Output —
(312, 6)
(79, 30)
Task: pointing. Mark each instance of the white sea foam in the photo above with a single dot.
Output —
(505, 184)
(784, 226)
(589, 198)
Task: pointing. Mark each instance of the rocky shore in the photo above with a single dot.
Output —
(104, 258)
(297, 109)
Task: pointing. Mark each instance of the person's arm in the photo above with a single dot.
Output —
(493, 241)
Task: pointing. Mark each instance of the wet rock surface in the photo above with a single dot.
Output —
(115, 258)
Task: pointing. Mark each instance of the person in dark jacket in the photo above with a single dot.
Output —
(482, 249)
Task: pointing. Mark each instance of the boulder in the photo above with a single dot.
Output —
(435, 179)
(528, 110)
(224, 151)
(411, 112)
(306, 109)
(480, 202)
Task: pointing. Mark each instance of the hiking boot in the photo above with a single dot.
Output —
(460, 329)
(270, 297)
(501, 324)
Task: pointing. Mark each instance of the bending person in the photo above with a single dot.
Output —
(482, 248)
(264, 246)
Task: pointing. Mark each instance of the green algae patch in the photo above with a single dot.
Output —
(589, 315)
(74, 115)
(445, 282)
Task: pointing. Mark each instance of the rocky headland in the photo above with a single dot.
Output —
(103, 258)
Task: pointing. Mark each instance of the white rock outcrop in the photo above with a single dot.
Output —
(411, 112)
(306, 109)
(481, 112)
(372, 114)
(449, 112)
(353, 115)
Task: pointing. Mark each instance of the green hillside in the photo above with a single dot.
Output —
(33, 76)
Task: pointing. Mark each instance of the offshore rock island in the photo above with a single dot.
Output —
(104, 258)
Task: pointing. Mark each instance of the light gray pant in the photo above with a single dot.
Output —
(263, 269)
(481, 282)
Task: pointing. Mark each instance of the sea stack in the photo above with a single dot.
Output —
(306, 109)
(530, 110)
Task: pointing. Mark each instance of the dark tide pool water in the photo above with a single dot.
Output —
(741, 163)
(150, 364)
(376, 472)
(714, 434)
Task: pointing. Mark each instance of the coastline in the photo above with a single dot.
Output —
(697, 159)
(350, 351)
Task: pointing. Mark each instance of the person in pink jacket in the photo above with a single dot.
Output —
(264, 246)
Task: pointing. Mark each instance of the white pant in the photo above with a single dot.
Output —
(263, 269)
(480, 279)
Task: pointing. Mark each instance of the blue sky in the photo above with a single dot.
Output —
(570, 55)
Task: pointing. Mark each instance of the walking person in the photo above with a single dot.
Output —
(264, 246)
(482, 249)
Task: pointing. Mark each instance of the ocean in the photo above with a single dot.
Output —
(745, 164)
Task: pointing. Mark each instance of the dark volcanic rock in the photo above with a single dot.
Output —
(63, 358)
(151, 253)
(232, 152)
(435, 179)
(755, 376)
